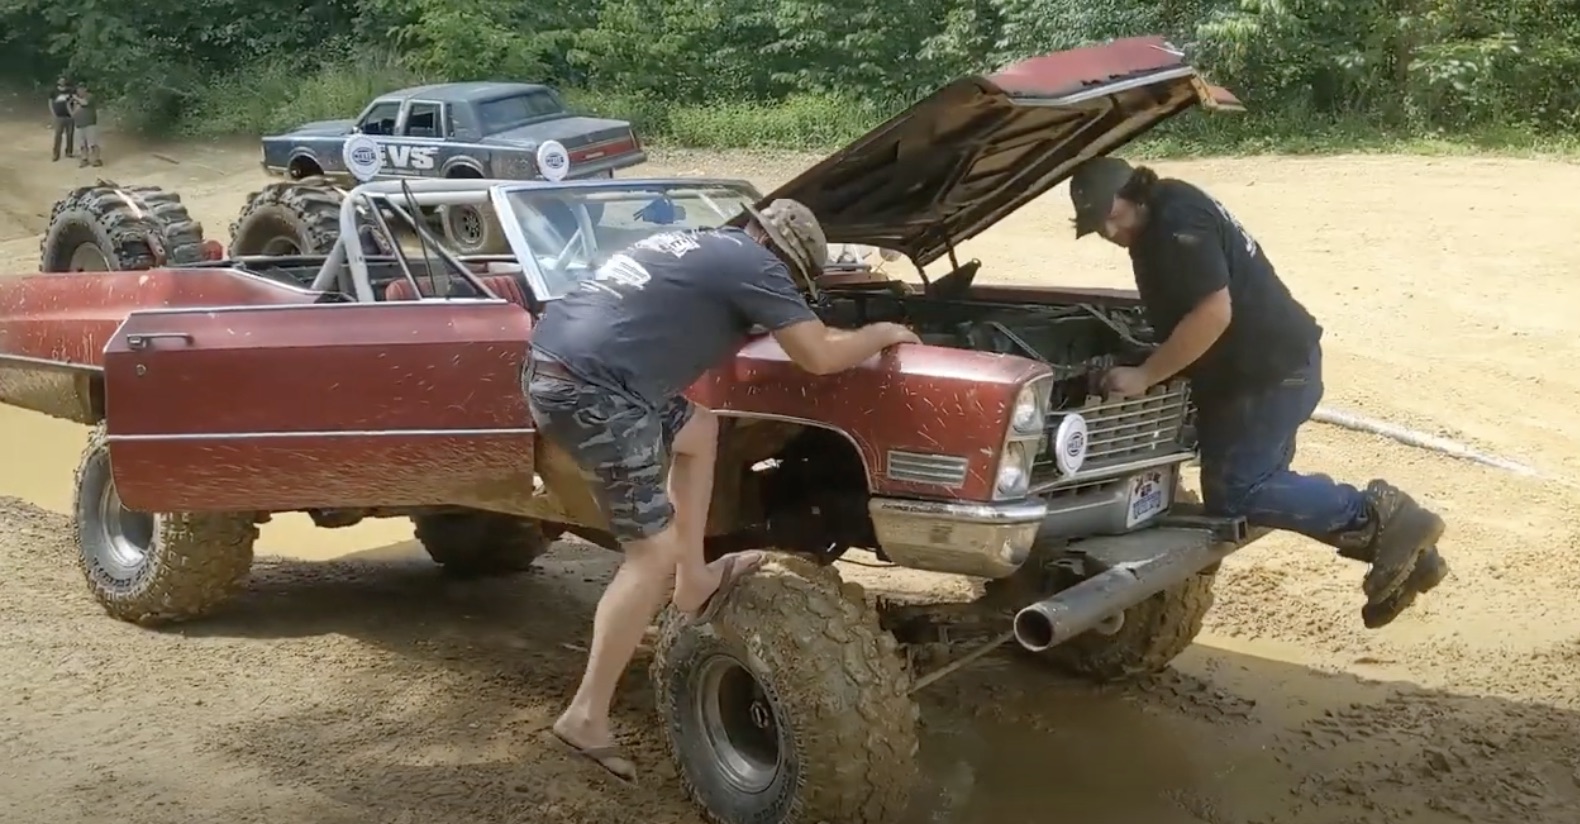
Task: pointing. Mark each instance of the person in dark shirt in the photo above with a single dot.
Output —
(604, 382)
(1253, 355)
(60, 116)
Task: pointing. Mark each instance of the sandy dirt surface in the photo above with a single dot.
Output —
(352, 684)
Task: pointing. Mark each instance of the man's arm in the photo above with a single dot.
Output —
(770, 299)
(1202, 277)
(821, 350)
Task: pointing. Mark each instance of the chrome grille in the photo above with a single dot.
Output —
(1125, 432)
(921, 468)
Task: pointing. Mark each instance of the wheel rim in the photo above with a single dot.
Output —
(739, 724)
(128, 534)
(467, 223)
(88, 257)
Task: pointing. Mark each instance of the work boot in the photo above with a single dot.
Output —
(1429, 572)
(1397, 533)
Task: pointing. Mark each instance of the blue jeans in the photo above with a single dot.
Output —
(1247, 442)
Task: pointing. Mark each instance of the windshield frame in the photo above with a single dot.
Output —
(505, 209)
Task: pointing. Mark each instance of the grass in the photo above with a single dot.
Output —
(275, 96)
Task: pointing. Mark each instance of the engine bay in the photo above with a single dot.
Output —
(1079, 341)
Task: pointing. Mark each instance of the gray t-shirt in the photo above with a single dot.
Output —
(669, 308)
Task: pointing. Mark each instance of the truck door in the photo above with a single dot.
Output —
(276, 408)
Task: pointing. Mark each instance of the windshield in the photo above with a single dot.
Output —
(573, 230)
(509, 112)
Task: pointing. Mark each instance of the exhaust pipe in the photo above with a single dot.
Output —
(1099, 602)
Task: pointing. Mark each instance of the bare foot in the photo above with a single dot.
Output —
(595, 743)
(731, 570)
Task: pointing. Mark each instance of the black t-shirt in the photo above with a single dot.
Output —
(669, 308)
(1192, 247)
(60, 103)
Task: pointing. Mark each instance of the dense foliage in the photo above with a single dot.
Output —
(737, 72)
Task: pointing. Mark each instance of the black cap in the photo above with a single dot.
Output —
(1092, 191)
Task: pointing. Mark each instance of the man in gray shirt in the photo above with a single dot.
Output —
(85, 116)
(604, 381)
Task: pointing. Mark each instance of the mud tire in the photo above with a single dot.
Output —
(296, 217)
(833, 682)
(1155, 632)
(132, 228)
(193, 561)
(482, 544)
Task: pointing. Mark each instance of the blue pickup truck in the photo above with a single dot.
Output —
(479, 130)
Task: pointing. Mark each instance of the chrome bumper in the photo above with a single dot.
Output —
(982, 540)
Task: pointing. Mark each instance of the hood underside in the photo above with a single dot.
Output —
(976, 150)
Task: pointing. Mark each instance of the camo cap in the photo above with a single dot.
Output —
(795, 231)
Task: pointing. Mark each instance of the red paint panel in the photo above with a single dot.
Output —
(1067, 72)
(70, 317)
(380, 377)
(916, 398)
(293, 473)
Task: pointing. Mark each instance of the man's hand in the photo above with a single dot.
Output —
(1126, 381)
(896, 334)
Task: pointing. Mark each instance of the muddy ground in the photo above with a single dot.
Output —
(352, 684)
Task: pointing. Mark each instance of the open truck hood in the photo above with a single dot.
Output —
(976, 150)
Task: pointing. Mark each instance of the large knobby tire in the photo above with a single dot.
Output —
(792, 706)
(147, 568)
(109, 227)
(476, 544)
(297, 217)
(1153, 634)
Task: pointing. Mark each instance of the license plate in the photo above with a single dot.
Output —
(1150, 494)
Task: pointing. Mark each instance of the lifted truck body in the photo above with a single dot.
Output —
(476, 130)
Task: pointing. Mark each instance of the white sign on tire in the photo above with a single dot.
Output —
(554, 163)
(361, 156)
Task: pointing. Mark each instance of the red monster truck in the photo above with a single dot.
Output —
(375, 379)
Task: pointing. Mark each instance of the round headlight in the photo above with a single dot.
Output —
(1070, 443)
(1013, 480)
(1026, 417)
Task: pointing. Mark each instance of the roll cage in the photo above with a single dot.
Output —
(378, 213)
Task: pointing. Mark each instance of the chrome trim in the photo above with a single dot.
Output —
(276, 307)
(326, 433)
(1111, 88)
(1115, 471)
(64, 366)
(866, 470)
(962, 512)
(948, 471)
(958, 538)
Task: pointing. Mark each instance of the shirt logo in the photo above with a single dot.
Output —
(1245, 237)
(678, 244)
(618, 275)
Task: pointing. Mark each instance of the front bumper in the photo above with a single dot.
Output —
(982, 540)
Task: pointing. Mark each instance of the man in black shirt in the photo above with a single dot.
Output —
(604, 381)
(1254, 358)
(60, 114)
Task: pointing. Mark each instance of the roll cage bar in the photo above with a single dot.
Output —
(379, 205)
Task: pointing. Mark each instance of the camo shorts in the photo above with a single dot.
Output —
(621, 445)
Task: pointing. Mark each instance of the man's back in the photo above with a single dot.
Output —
(1271, 333)
(660, 313)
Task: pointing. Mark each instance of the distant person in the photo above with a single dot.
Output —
(60, 113)
(1254, 358)
(85, 116)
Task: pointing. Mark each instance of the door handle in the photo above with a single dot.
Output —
(142, 340)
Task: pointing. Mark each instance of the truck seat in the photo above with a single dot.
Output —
(508, 287)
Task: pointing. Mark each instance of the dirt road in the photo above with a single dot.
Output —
(351, 684)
